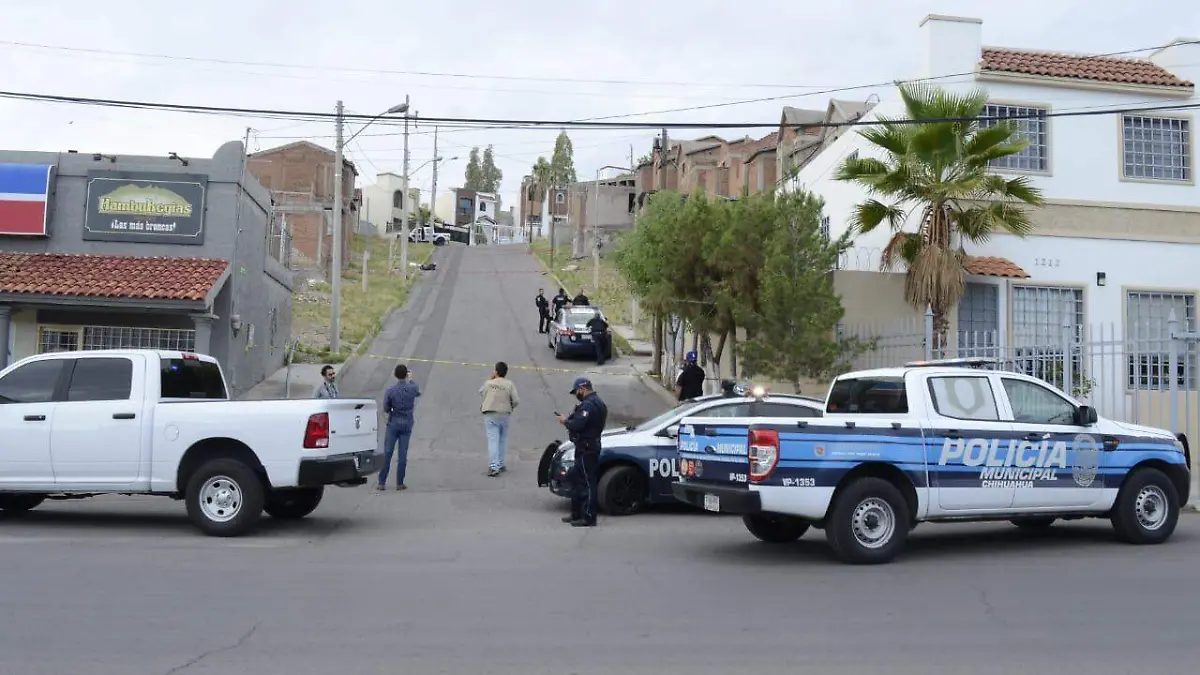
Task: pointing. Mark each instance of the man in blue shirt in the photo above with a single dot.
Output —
(398, 403)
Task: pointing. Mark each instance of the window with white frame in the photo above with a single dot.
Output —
(70, 338)
(1156, 148)
(1029, 123)
(1047, 326)
(1148, 339)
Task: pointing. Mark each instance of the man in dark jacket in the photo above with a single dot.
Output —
(584, 426)
(543, 306)
(399, 403)
(559, 301)
(598, 328)
(580, 300)
(691, 379)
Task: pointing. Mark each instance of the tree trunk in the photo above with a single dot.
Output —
(656, 322)
(941, 330)
(733, 362)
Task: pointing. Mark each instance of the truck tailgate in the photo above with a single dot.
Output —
(353, 426)
(712, 452)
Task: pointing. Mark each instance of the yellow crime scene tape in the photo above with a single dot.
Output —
(512, 366)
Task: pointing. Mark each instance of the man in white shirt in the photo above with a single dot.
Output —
(499, 400)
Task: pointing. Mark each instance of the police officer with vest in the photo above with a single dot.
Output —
(584, 426)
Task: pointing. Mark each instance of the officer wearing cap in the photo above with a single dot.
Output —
(584, 425)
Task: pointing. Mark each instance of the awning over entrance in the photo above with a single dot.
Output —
(991, 266)
(69, 278)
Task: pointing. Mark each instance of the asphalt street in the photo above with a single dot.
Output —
(468, 574)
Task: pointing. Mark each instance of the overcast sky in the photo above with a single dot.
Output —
(496, 60)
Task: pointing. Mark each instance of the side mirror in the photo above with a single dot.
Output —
(1085, 415)
(672, 431)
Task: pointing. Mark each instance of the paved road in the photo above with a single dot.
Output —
(468, 574)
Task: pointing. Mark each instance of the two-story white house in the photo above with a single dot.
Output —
(1116, 247)
(384, 203)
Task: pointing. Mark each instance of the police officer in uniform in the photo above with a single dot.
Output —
(543, 307)
(584, 425)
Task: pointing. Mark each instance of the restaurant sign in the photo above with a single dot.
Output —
(148, 208)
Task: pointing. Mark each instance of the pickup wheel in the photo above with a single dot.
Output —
(1147, 508)
(225, 498)
(622, 491)
(293, 503)
(20, 502)
(868, 523)
(775, 529)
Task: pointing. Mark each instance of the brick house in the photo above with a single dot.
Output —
(300, 177)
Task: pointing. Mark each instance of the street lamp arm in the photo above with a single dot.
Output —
(394, 110)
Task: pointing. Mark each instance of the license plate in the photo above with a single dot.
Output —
(585, 338)
(712, 503)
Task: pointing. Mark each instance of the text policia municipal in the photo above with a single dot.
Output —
(1020, 463)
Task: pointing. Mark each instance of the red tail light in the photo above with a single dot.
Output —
(566, 331)
(763, 447)
(316, 434)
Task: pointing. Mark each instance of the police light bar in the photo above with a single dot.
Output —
(969, 362)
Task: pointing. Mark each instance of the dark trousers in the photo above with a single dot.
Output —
(544, 323)
(599, 343)
(584, 476)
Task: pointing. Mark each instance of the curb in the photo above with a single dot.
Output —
(367, 339)
(656, 386)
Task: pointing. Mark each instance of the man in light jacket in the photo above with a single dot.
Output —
(327, 388)
(499, 400)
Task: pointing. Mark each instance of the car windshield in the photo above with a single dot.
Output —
(579, 319)
(659, 419)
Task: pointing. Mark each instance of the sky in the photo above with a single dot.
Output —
(515, 60)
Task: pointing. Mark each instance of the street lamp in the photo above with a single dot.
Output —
(595, 233)
(335, 328)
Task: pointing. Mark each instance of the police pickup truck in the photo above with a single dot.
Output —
(944, 441)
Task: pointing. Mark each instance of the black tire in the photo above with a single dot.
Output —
(1147, 508)
(1034, 524)
(775, 528)
(868, 503)
(20, 502)
(543, 470)
(622, 491)
(293, 503)
(558, 352)
(246, 504)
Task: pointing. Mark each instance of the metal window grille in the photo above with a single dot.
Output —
(1146, 318)
(114, 337)
(1040, 315)
(979, 320)
(1035, 157)
(1157, 148)
(57, 340)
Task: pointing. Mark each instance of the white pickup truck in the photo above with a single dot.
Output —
(933, 442)
(80, 424)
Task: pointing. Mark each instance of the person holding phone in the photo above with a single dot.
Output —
(584, 426)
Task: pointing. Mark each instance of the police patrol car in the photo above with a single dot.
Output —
(638, 464)
(937, 442)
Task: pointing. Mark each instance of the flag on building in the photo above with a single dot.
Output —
(25, 199)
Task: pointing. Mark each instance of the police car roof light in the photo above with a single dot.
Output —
(966, 362)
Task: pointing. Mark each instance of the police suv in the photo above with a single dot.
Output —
(938, 441)
(639, 463)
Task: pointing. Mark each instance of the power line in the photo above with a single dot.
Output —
(419, 73)
(543, 124)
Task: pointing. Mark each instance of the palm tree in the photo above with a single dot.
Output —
(937, 166)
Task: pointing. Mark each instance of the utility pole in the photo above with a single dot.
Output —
(596, 235)
(658, 318)
(335, 328)
(404, 214)
(433, 191)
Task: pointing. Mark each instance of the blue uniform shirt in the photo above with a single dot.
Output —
(588, 419)
(399, 402)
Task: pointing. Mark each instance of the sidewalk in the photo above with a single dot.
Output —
(295, 381)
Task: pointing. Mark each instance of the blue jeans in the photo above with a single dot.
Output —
(496, 426)
(396, 435)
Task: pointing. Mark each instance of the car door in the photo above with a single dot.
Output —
(667, 447)
(27, 410)
(967, 445)
(96, 437)
(1064, 463)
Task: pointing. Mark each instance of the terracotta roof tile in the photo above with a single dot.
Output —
(988, 266)
(105, 276)
(1095, 68)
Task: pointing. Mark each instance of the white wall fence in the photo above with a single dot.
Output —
(1124, 374)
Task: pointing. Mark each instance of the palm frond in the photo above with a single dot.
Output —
(979, 223)
(893, 138)
(903, 247)
(871, 213)
(936, 277)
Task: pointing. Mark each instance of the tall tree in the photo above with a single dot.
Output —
(794, 309)
(489, 172)
(562, 162)
(474, 174)
(938, 169)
